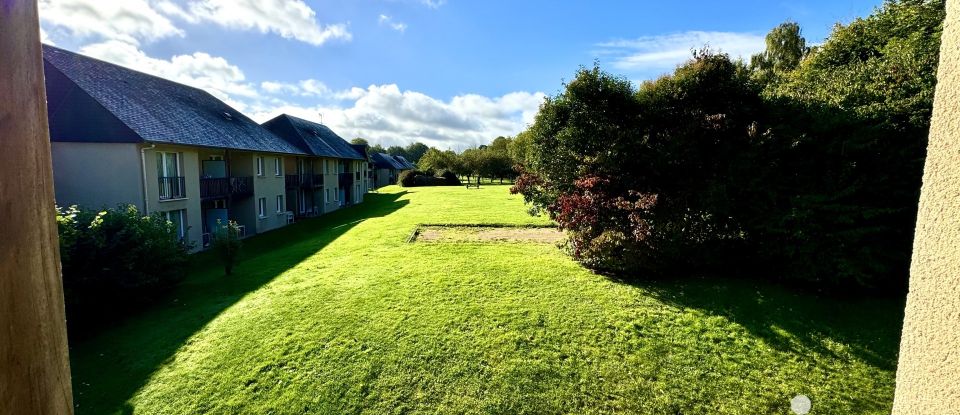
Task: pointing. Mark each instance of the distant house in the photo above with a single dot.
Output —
(119, 136)
(387, 168)
(331, 174)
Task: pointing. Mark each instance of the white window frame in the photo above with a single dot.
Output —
(260, 166)
(278, 166)
(326, 195)
(262, 207)
(280, 207)
(336, 194)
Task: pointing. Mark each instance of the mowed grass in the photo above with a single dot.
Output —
(340, 315)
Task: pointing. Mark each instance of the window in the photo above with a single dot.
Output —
(336, 195)
(216, 157)
(356, 195)
(326, 167)
(326, 197)
(262, 207)
(176, 218)
(277, 167)
(259, 166)
(280, 208)
(169, 178)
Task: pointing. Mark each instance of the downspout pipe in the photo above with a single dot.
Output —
(143, 164)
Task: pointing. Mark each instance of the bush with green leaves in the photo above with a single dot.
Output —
(808, 162)
(225, 241)
(116, 259)
(415, 178)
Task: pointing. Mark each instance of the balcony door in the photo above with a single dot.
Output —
(169, 175)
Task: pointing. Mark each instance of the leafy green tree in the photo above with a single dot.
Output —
(226, 242)
(786, 47)
(360, 141)
(415, 151)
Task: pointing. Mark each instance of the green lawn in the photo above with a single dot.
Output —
(340, 315)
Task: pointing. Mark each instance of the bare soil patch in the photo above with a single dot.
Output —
(488, 234)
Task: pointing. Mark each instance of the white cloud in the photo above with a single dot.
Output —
(304, 88)
(385, 114)
(45, 38)
(291, 19)
(387, 20)
(129, 20)
(211, 73)
(667, 51)
(433, 4)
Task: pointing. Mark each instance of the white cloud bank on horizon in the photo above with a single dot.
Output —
(381, 113)
(387, 115)
(665, 52)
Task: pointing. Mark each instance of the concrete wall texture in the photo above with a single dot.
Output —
(928, 374)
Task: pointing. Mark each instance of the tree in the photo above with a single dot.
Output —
(785, 48)
(808, 163)
(415, 151)
(226, 242)
(360, 141)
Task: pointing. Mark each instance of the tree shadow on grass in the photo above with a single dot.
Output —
(870, 327)
(110, 367)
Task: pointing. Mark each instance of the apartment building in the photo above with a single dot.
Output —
(331, 176)
(121, 137)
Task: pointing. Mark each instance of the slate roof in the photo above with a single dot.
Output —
(386, 161)
(312, 138)
(403, 161)
(89, 100)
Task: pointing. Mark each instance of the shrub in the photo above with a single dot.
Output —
(407, 178)
(226, 242)
(451, 177)
(415, 178)
(116, 259)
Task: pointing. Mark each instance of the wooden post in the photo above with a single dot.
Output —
(34, 367)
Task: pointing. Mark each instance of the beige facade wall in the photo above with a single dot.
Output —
(97, 175)
(267, 185)
(928, 374)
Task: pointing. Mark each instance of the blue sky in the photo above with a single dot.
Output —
(449, 73)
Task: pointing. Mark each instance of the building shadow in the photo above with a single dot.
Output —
(109, 367)
(791, 320)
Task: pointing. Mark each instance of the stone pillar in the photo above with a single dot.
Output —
(34, 368)
(928, 375)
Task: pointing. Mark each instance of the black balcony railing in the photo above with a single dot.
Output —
(241, 186)
(345, 179)
(221, 187)
(172, 188)
(214, 188)
(292, 181)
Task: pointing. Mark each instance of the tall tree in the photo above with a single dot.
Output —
(360, 141)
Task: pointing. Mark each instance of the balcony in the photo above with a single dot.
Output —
(345, 179)
(222, 187)
(294, 181)
(172, 187)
